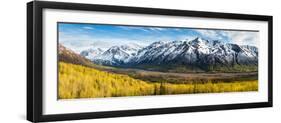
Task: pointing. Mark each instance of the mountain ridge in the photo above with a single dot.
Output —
(68, 56)
(197, 54)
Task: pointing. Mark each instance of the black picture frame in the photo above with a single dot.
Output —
(35, 69)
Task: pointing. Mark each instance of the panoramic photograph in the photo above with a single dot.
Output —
(106, 60)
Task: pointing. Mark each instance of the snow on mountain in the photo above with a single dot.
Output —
(194, 52)
(198, 51)
(156, 50)
(92, 53)
(115, 55)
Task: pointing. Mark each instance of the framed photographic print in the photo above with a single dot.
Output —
(96, 61)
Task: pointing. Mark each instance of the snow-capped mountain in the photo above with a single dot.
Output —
(198, 52)
(92, 53)
(115, 55)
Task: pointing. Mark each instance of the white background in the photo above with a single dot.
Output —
(52, 106)
(13, 61)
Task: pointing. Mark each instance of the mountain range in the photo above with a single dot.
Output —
(188, 56)
(115, 55)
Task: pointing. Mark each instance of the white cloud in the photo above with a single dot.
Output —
(83, 42)
(244, 38)
(133, 28)
(187, 37)
(156, 29)
(236, 37)
(88, 27)
(208, 33)
(145, 29)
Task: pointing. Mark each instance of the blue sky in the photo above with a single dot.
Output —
(83, 36)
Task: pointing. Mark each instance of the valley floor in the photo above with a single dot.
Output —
(76, 81)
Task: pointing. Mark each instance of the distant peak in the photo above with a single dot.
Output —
(130, 45)
(198, 41)
(114, 47)
(177, 41)
(215, 42)
(158, 43)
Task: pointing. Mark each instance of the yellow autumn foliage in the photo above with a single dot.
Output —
(76, 81)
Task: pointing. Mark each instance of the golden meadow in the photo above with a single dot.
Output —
(76, 81)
